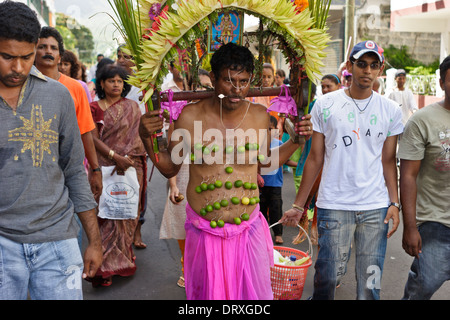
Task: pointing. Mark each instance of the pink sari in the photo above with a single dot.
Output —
(229, 263)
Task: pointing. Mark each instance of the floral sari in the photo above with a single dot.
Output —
(118, 128)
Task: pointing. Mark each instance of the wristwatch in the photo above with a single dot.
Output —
(395, 204)
(97, 169)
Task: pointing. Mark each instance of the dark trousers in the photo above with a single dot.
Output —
(271, 206)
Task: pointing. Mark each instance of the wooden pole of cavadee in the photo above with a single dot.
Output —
(161, 139)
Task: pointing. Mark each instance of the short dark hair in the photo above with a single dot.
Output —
(332, 77)
(273, 121)
(281, 73)
(103, 63)
(70, 57)
(445, 65)
(18, 22)
(47, 32)
(108, 72)
(232, 56)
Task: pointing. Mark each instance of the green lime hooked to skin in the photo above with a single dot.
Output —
(254, 186)
(203, 212)
(220, 223)
(241, 149)
(198, 146)
(213, 224)
(198, 189)
(247, 185)
(235, 200)
(261, 157)
(245, 216)
(224, 203)
(252, 201)
(228, 185)
(204, 186)
(247, 146)
(229, 169)
(192, 157)
(256, 199)
(211, 187)
(238, 183)
(206, 150)
(215, 148)
(218, 184)
(229, 149)
(237, 220)
(209, 208)
(217, 205)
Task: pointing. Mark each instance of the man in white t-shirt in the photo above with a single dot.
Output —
(403, 96)
(424, 150)
(355, 139)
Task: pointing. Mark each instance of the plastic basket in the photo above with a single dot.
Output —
(288, 281)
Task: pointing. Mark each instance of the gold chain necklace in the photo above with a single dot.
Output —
(119, 114)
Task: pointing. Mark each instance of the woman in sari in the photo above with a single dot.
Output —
(118, 144)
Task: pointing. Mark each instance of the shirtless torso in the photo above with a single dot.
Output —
(224, 166)
(224, 138)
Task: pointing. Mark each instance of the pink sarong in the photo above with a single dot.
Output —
(229, 263)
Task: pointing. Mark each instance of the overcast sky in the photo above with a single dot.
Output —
(93, 15)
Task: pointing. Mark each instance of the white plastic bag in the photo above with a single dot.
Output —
(120, 195)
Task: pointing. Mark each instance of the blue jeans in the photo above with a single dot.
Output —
(432, 269)
(336, 230)
(47, 271)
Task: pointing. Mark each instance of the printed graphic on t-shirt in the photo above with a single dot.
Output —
(356, 134)
(443, 160)
(36, 136)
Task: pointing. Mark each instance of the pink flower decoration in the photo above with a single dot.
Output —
(155, 10)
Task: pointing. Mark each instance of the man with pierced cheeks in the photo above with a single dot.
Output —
(229, 249)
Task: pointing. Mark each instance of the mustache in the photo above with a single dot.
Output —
(15, 75)
(47, 56)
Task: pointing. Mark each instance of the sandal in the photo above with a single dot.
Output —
(180, 282)
(278, 240)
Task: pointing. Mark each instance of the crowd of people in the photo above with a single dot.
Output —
(69, 138)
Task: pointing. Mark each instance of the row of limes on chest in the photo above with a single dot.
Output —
(218, 205)
(205, 150)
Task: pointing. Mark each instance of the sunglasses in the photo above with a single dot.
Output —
(362, 65)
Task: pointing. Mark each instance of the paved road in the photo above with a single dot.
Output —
(158, 266)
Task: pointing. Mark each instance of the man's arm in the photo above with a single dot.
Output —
(285, 151)
(71, 163)
(389, 162)
(412, 242)
(95, 177)
(312, 168)
(93, 255)
(149, 124)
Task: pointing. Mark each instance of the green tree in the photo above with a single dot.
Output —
(77, 38)
(400, 58)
